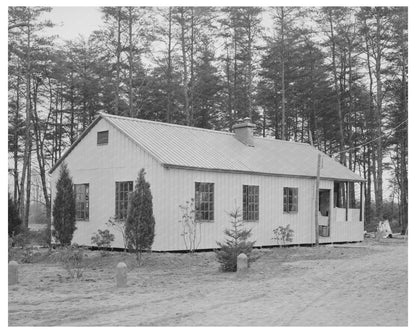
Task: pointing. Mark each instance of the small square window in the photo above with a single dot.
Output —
(102, 138)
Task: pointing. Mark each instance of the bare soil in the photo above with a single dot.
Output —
(362, 284)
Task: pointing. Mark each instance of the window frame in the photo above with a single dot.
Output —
(100, 141)
(85, 202)
(290, 200)
(251, 203)
(204, 202)
(121, 198)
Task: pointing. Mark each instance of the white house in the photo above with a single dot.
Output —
(271, 181)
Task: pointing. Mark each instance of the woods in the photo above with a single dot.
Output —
(333, 77)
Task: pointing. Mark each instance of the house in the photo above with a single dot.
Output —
(271, 181)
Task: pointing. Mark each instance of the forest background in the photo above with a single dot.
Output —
(333, 77)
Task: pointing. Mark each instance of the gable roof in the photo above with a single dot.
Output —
(178, 146)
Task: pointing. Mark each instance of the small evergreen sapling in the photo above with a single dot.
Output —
(236, 243)
(15, 223)
(140, 223)
(64, 208)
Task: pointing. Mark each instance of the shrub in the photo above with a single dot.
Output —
(72, 259)
(283, 235)
(191, 229)
(15, 223)
(64, 208)
(120, 226)
(236, 243)
(140, 223)
(22, 239)
(103, 238)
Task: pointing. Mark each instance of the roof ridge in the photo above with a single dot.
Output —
(106, 115)
(281, 141)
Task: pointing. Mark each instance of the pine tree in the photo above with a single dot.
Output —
(140, 224)
(236, 243)
(64, 208)
(15, 223)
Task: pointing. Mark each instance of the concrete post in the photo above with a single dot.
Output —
(121, 275)
(242, 263)
(13, 272)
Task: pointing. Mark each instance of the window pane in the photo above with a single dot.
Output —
(204, 201)
(102, 138)
(81, 201)
(123, 190)
(250, 202)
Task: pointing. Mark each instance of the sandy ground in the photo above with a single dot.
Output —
(354, 285)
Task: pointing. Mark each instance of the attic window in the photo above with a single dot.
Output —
(102, 138)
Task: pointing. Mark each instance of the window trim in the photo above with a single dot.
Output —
(246, 201)
(210, 212)
(287, 205)
(101, 143)
(118, 201)
(86, 202)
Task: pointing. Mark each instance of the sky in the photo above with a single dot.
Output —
(74, 21)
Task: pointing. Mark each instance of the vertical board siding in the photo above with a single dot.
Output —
(228, 189)
(101, 166)
(121, 159)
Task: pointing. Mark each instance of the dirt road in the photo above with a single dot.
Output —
(356, 285)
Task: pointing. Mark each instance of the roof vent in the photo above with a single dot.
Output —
(244, 131)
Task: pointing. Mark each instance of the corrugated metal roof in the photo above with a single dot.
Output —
(191, 147)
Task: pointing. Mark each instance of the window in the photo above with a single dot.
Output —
(123, 190)
(290, 199)
(204, 201)
(82, 199)
(250, 203)
(102, 138)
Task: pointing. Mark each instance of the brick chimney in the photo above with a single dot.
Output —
(244, 131)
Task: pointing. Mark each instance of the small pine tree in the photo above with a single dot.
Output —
(64, 208)
(140, 223)
(236, 243)
(15, 223)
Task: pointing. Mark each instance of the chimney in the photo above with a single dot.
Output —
(244, 131)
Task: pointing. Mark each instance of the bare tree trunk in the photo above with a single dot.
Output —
(229, 91)
(28, 139)
(369, 130)
(118, 55)
(250, 70)
(185, 67)
(130, 9)
(39, 140)
(282, 64)
(378, 114)
(334, 71)
(191, 60)
(16, 138)
(169, 106)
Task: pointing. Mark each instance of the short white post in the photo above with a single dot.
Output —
(121, 275)
(13, 273)
(242, 263)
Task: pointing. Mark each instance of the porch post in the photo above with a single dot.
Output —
(347, 199)
(361, 201)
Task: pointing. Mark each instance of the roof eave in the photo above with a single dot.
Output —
(185, 167)
(78, 140)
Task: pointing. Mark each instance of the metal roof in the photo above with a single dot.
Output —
(180, 146)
